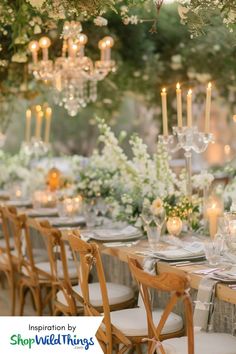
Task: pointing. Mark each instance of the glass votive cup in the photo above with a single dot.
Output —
(212, 252)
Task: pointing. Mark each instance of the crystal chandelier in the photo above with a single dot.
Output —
(73, 75)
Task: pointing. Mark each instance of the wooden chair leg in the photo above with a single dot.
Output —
(138, 349)
(2, 280)
(13, 295)
(38, 301)
(22, 291)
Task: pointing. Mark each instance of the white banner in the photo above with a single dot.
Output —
(48, 335)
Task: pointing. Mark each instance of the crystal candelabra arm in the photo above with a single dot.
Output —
(170, 143)
(190, 139)
(201, 141)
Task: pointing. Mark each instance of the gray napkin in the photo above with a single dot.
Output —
(204, 304)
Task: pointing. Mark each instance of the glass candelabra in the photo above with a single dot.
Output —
(190, 139)
(35, 148)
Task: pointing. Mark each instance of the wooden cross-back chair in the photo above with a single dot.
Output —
(175, 284)
(89, 256)
(50, 271)
(11, 256)
(113, 334)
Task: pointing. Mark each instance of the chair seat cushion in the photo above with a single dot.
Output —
(117, 294)
(45, 267)
(3, 243)
(133, 322)
(205, 343)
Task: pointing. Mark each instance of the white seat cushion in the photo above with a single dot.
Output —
(3, 243)
(45, 267)
(205, 343)
(133, 322)
(117, 294)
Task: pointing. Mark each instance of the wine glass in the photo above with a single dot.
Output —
(160, 218)
(146, 216)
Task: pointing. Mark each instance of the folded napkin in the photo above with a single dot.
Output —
(204, 304)
(225, 275)
(180, 253)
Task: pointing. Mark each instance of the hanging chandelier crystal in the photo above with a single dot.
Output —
(73, 75)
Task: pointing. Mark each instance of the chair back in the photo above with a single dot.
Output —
(12, 226)
(178, 286)
(87, 257)
(56, 257)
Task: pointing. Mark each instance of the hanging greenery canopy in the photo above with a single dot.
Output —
(158, 61)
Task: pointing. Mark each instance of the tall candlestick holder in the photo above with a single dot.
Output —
(191, 140)
(35, 148)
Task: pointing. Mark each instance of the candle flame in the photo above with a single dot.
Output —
(48, 111)
(178, 86)
(28, 113)
(163, 90)
(190, 92)
(38, 108)
(209, 86)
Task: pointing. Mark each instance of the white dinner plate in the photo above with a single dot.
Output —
(18, 203)
(42, 212)
(110, 235)
(64, 221)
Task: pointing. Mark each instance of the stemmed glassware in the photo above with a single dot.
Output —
(153, 232)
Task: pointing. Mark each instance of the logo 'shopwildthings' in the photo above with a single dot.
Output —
(52, 339)
(50, 335)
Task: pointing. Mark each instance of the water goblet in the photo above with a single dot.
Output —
(159, 219)
(146, 216)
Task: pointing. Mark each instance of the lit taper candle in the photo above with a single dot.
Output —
(179, 105)
(28, 125)
(48, 117)
(164, 111)
(189, 108)
(208, 108)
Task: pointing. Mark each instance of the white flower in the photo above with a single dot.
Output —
(157, 206)
(37, 3)
(203, 78)
(100, 21)
(37, 29)
(19, 58)
(182, 12)
(202, 180)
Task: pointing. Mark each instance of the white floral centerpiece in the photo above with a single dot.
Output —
(129, 183)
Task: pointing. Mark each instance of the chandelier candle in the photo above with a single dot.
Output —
(48, 117)
(44, 44)
(189, 108)
(28, 125)
(83, 39)
(208, 108)
(179, 105)
(34, 48)
(164, 111)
